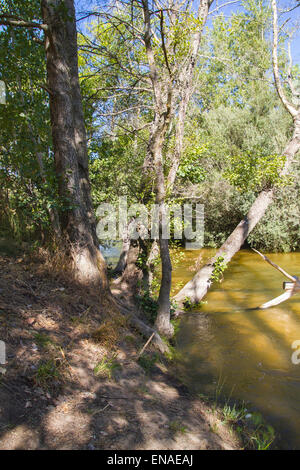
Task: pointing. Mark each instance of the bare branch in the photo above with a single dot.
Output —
(223, 5)
(117, 113)
(290, 108)
(290, 9)
(10, 20)
(278, 300)
(291, 278)
(163, 42)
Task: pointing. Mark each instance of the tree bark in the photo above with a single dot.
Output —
(122, 262)
(168, 97)
(69, 143)
(197, 288)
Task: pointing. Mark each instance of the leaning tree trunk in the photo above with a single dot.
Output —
(197, 288)
(69, 142)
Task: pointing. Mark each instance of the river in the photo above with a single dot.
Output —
(246, 353)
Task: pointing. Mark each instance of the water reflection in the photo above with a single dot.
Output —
(248, 349)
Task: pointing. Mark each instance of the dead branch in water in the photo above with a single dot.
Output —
(291, 288)
(291, 278)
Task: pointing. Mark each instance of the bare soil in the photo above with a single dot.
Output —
(51, 395)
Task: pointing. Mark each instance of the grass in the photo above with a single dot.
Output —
(107, 367)
(232, 414)
(214, 428)
(253, 431)
(263, 437)
(260, 435)
(130, 339)
(46, 373)
(142, 390)
(52, 370)
(43, 340)
(176, 426)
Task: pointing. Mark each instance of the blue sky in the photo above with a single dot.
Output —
(85, 5)
(294, 15)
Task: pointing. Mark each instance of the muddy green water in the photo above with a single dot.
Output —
(248, 351)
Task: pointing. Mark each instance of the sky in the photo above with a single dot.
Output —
(85, 5)
(294, 19)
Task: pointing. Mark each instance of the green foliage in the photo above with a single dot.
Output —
(107, 367)
(263, 438)
(235, 127)
(43, 340)
(27, 193)
(263, 435)
(190, 168)
(148, 305)
(189, 305)
(177, 427)
(279, 229)
(255, 172)
(233, 413)
(46, 373)
(219, 267)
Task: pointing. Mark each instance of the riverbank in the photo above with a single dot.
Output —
(73, 378)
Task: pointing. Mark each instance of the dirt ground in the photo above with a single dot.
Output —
(72, 379)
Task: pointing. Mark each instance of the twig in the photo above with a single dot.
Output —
(144, 347)
(275, 266)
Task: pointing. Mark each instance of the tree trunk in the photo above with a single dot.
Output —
(159, 129)
(122, 262)
(162, 322)
(150, 265)
(197, 288)
(132, 274)
(169, 91)
(69, 143)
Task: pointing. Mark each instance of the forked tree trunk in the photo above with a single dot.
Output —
(197, 288)
(69, 143)
(168, 91)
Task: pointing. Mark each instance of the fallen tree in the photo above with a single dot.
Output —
(197, 288)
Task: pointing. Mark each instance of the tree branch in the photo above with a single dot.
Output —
(10, 20)
(223, 5)
(289, 107)
(291, 278)
(163, 42)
